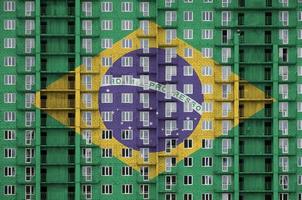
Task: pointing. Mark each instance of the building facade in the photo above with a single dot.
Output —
(151, 99)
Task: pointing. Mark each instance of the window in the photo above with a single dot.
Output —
(87, 191)
(207, 89)
(126, 189)
(107, 116)
(106, 43)
(226, 72)
(206, 144)
(29, 27)
(29, 118)
(299, 106)
(283, 17)
(29, 100)
(188, 70)
(225, 54)
(169, 163)
(226, 145)
(207, 16)
(127, 61)
(9, 152)
(9, 116)
(188, 143)
(144, 25)
(87, 99)
(299, 15)
(225, 18)
(170, 17)
(87, 118)
(9, 190)
(284, 181)
(299, 52)
(127, 98)
(206, 71)
(126, 171)
(9, 61)
(87, 173)
(283, 145)
(170, 71)
(127, 134)
(126, 43)
(188, 16)
(226, 90)
(144, 8)
(106, 62)
(126, 153)
(9, 97)
(87, 27)
(207, 34)
(127, 6)
(226, 162)
(144, 44)
(106, 25)
(226, 126)
(206, 180)
(29, 81)
(106, 171)
(207, 52)
(106, 134)
(9, 43)
(87, 82)
(188, 161)
(29, 63)
(9, 24)
(87, 62)
(87, 45)
(29, 173)
(9, 6)
(188, 34)
(144, 136)
(9, 171)
(188, 180)
(144, 63)
(127, 25)
(171, 35)
(9, 135)
(106, 6)
(188, 52)
(283, 36)
(87, 8)
(206, 161)
(226, 182)
(87, 155)
(170, 181)
(226, 109)
(87, 136)
(29, 136)
(106, 153)
(188, 124)
(207, 106)
(106, 189)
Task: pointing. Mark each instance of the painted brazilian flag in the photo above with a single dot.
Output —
(154, 109)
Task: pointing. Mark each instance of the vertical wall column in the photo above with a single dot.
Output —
(275, 95)
(37, 189)
(77, 100)
(236, 116)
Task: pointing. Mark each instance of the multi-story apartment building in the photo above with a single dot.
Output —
(151, 99)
